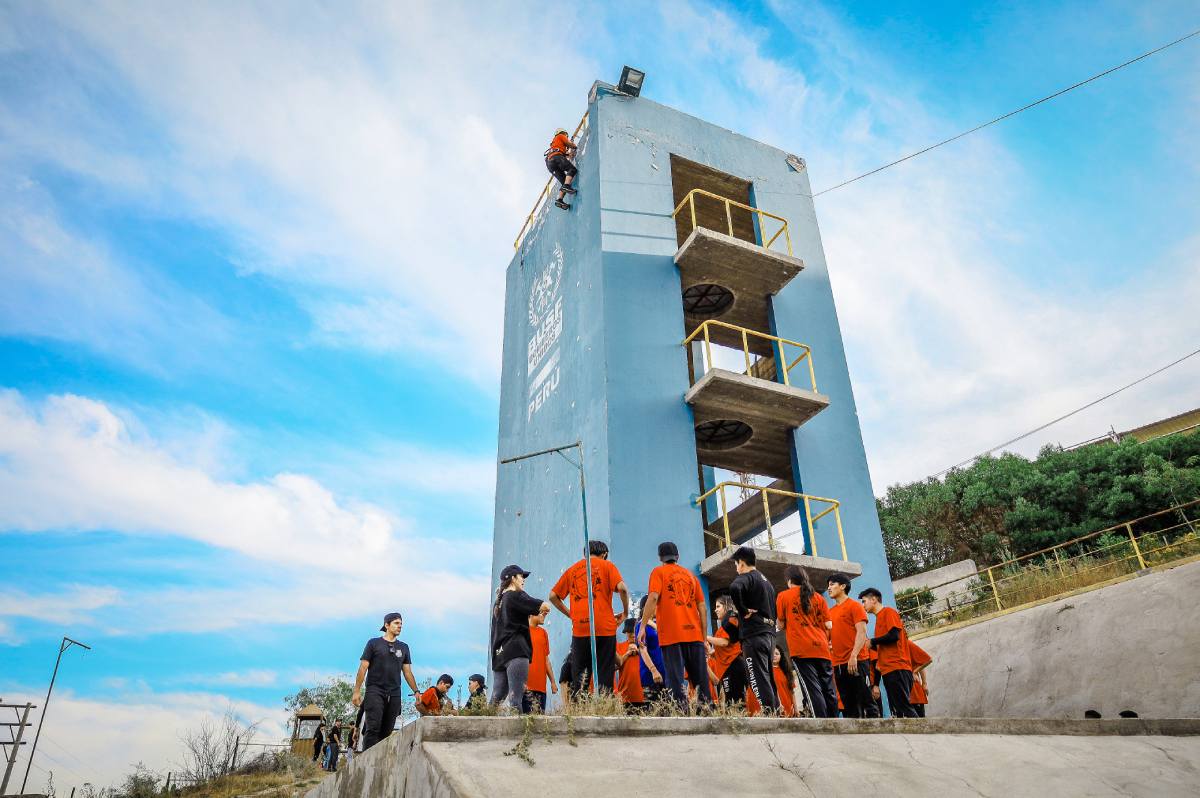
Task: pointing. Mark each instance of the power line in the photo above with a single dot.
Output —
(1068, 415)
(1047, 98)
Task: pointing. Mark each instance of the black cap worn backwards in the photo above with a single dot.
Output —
(668, 551)
(391, 616)
(477, 677)
(513, 570)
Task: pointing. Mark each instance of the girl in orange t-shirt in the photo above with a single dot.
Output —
(785, 682)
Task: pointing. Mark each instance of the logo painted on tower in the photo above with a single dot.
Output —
(546, 321)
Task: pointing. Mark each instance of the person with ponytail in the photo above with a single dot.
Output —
(512, 646)
(804, 618)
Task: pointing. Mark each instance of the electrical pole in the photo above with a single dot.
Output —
(16, 743)
(66, 643)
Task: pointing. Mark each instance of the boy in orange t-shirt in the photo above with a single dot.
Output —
(540, 668)
(892, 644)
(848, 650)
(676, 601)
(919, 696)
(629, 671)
(606, 580)
(433, 701)
(804, 618)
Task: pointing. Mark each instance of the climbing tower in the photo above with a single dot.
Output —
(679, 323)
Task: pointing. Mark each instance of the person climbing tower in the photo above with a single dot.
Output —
(558, 161)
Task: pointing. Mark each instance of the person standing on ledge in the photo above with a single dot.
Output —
(754, 599)
(676, 600)
(606, 580)
(384, 660)
(558, 161)
(848, 650)
(891, 642)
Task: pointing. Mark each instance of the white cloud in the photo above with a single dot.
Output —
(72, 604)
(99, 740)
(70, 462)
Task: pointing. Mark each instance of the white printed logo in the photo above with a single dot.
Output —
(545, 318)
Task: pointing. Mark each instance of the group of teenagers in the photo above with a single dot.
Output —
(787, 654)
(826, 665)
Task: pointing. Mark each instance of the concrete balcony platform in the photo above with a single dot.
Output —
(748, 271)
(771, 409)
(719, 570)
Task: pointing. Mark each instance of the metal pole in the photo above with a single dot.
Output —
(587, 559)
(63, 646)
(587, 543)
(16, 746)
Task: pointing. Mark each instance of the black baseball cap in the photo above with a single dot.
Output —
(391, 616)
(477, 677)
(668, 550)
(513, 570)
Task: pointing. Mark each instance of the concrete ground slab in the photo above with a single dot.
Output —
(666, 757)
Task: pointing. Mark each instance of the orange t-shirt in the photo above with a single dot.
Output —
(787, 702)
(431, 699)
(892, 656)
(845, 617)
(537, 660)
(558, 146)
(679, 602)
(918, 657)
(629, 679)
(722, 658)
(573, 584)
(807, 636)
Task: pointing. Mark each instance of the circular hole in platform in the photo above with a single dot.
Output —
(722, 433)
(707, 299)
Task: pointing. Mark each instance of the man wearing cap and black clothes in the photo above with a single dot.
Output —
(513, 646)
(754, 599)
(384, 660)
(476, 692)
(606, 580)
(675, 600)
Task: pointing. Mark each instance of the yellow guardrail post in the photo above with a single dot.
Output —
(812, 533)
(690, 199)
(766, 500)
(1136, 549)
(1061, 571)
(746, 350)
(837, 517)
(724, 514)
(995, 594)
(729, 217)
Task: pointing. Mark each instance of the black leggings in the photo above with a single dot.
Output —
(817, 675)
(561, 168)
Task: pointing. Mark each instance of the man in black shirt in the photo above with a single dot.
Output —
(384, 660)
(754, 599)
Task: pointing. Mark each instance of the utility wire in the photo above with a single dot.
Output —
(1068, 415)
(1047, 98)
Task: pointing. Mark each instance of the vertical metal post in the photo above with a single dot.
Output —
(707, 349)
(692, 203)
(729, 217)
(724, 515)
(16, 746)
(1061, 571)
(746, 350)
(767, 515)
(837, 517)
(587, 559)
(1136, 549)
(812, 534)
(995, 595)
(812, 372)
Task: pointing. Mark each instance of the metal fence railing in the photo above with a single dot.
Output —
(690, 202)
(778, 344)
(805, 501)
(1097, 557)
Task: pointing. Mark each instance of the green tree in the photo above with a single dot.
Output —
(332, 696)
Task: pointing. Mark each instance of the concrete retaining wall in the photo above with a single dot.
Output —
(667, 757)
(1133, 645)
(956, 573)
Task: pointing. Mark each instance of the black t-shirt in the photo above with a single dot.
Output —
(384, 663)
(752, 591)
(512, 627)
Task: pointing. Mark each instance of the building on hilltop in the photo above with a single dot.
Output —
(680, 230)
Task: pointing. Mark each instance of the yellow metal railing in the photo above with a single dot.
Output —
(765, 493)
(730, 204)
(780, 343)
(541, 200)
(1099, 556)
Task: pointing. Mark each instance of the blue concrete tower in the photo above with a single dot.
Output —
(598, 304)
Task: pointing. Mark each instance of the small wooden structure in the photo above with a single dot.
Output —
(304, 729)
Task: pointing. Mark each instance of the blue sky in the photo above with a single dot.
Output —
(252, 263)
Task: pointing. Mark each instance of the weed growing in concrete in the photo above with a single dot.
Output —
(522, 749)
(792, 767)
